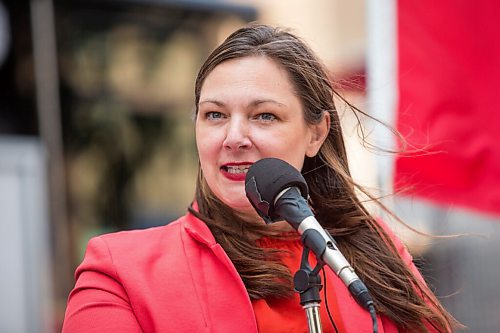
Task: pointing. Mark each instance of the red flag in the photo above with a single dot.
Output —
(449, 101)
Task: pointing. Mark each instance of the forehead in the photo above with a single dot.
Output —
(255, 74)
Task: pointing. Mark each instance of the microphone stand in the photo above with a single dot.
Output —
(284, 197)
(307, 283)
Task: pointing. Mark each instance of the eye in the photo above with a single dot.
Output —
(214, 115)
(265, 116)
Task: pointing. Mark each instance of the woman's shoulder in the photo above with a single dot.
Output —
(141, 237)
(133, 246)
(143, 245)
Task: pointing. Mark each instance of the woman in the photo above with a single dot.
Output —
(261, 93)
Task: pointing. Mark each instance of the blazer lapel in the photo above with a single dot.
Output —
(220, 290)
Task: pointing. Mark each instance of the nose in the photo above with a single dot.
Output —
(237, 135)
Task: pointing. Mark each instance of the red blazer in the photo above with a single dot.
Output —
(176, 278)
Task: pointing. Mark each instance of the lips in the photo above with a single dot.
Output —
(236, 171)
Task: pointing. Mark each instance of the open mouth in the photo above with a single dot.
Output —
(236, 169)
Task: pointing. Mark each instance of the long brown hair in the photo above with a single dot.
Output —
(397, 293)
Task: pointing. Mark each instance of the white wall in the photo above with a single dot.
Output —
(25, 270)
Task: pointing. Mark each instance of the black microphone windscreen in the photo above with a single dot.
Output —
(266, 178)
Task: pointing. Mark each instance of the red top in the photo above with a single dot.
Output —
(287, 315)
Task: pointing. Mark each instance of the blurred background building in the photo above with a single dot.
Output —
(96, 131)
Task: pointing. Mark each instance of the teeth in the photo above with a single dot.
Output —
(238, 168)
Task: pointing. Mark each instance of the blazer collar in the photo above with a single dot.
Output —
(198, 229)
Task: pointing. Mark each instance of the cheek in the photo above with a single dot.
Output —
(292, 149)
(204, 151)
(207, 149)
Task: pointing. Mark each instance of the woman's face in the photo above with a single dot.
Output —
(247, 111)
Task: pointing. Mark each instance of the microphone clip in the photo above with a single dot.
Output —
(307, 281)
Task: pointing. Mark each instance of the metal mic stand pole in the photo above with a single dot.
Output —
(307, 283)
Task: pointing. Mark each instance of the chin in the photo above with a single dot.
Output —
(242, 206)
(239, 205)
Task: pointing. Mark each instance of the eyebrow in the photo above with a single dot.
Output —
(212, 101)
(254, 103)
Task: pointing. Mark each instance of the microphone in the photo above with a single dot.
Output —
(278, 192)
